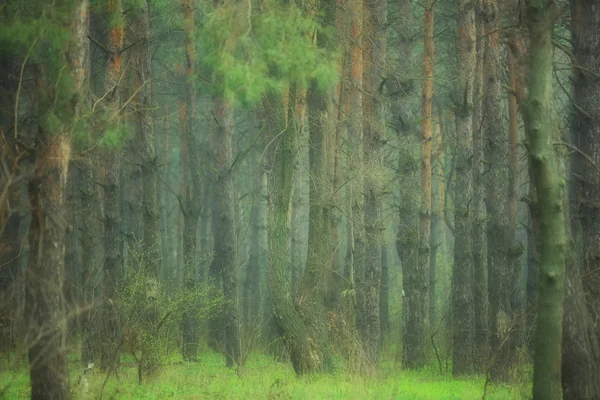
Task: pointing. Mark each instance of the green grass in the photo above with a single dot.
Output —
(263, 378)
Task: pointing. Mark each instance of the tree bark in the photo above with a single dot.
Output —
(191, 198)
(374, 138)
(586, 34)
(112, 205)
(44, 302)
(145, 132)
(550, 189)
(580, 349)
(302, 344)
(462, 274)
(499, 234)
(416, 269)
(478, 230)
(226, 250)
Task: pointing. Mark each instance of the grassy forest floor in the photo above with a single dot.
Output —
(263, 378)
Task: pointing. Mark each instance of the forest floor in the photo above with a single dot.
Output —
(264, 378)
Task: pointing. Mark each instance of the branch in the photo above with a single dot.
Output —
(100, 45)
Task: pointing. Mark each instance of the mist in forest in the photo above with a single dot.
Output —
(353, 199)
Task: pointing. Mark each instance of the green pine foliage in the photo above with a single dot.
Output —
(250, 54)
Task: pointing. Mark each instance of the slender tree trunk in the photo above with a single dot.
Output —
(462, 274)
(550, 189)
(44, 302)
(384, 299)
(258, 252)
(145, 132)
(355, 136)
(374, 138)
(341, 103)
(407, 240)
(581, 350)
(422, 273)
(478, 229)
(499, 233)
(226, 251)
(88, 203)
(191, 198)
(586, 17)
(436, 224)
(113, 259)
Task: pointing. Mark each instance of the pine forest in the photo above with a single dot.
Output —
(300, 199)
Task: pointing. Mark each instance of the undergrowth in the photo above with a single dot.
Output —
(261, 378)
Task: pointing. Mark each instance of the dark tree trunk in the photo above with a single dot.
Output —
(478, 230)
(45, 311)
(585, 20)
(90, 229)
(415, 264)
(384, 297)
(581, 350)
(375, 135)
(302, 345)
(462, 274)
(225, 236)
(145, 136)
(499, 234)
(191, 196)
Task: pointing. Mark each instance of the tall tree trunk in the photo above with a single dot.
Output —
(258, 252)
(478, 227)
(374, 138)
(302, 345)
(499, 233)
(586, 17)
(462, 274)
(226, 250)
(384, 298)
(436, 223)
(355, 136)
(44, 302)
(422, 273)
(415, 274)
(145, 132)
(340, 104)
(550, 189)
(88, 205)
(112, 204)
(191, 198)
(581, 350)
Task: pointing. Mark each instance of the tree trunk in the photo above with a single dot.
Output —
(462, 274)
(191, 198)
(415, 280)
(478, 227)
(422, 274)
(44, 302)
(539, 128)
(581, 350)
(355, 161)
(88, 205)
(499, 234)
(436, 223)
(112, 204)
(384, 298)
(226, 250)
(374, 138)
(302, 345)
(256, 264)
(586, 16)
(145, 132)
